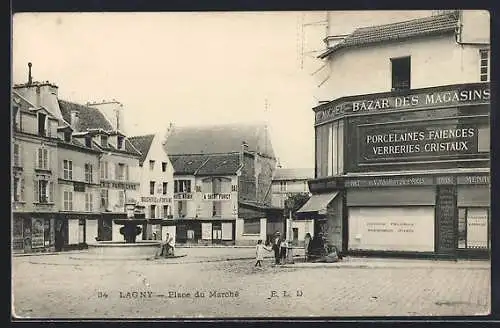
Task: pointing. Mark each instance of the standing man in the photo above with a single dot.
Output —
(276, 247)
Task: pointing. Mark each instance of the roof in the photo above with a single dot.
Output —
(219, 139)
(205, 165)
(293, 174)
(143, 144)
(89, 118)
(75, 143)
(432, 25)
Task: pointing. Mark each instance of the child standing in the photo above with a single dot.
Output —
(259, 253)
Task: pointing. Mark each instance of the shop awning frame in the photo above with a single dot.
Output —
(317, 204)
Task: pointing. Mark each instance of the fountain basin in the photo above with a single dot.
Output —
(120, 250)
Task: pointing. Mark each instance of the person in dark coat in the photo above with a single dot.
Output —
(276, 246)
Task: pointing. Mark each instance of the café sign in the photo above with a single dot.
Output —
(119, 185)
(451, 96)
(183, 195)
(153, 199)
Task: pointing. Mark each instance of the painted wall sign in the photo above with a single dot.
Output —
(183, 195)
(152, 199)
(385, 182)
(411, 141)
(119, 185)
(450, 96)
(473, 179)
(217, 196)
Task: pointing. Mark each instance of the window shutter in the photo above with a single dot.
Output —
(126, 172)
(36, 158)
(21, 188)
(35, 190)
(47, 158)
(50, 192)
(116, 171)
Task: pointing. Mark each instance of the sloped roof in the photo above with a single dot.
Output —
(293, 174)
(89, 118)
(143, 144)
(205, 165)
(397, 31)
(219, 139)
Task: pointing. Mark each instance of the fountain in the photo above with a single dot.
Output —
(130, 248)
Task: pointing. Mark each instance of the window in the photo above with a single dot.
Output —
(181, 208)
(282, 185)
(121, 172)
(474, 228)
(330, 149)
(152, 212)
(119, 142)
(67, 136)
(18, 189)
(484, 55)
(151, 165)
(401, 68)
(483, 139)
(43, 159)
(104, 198)
(68, 200)
(104, 141)
(88, 142)
(163, 166)
(251, 226)
(151, 187)
(104, 170)
(89, 202)
(67, 169)
(165, 211)
(43, 191)
(121, 198)
(88, 173)
(182, 186)
(216, 208)
(164, 189)
(42, 122)
(17, 155)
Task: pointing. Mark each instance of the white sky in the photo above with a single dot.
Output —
(185, 68)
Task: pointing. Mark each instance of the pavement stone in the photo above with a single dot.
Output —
(59, 287)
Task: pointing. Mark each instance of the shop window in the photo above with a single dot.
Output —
(182, 186)
(401, 68)
(88, 173)
(251, 226)
(67, 169)
(151, 187)
(474, 228)
(163, 166)
(151, 165)
(68, 200)
(484, 55)
(42, 124)
(164, 189)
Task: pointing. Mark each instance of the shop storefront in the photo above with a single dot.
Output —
(75, 230)
(204, 232)
(33, 232)
(411, 171)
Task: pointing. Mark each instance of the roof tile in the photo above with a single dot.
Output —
(143, 144)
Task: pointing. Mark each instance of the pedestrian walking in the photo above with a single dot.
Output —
(283, 250)
(276, 246)
(259, 253)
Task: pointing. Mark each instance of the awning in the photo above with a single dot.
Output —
(318, 203)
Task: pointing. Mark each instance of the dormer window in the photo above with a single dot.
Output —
(119, 142)
(67, 136)
(104, 141)
(88, 142)
(42, 123)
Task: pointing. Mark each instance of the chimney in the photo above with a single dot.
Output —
(74, 120)
(244, 148)
(30, 78)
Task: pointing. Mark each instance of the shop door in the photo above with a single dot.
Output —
(60, 235)
(217, 233)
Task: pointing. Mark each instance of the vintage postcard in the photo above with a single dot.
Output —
(251, 164)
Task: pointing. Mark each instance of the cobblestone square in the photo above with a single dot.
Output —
(222, 283)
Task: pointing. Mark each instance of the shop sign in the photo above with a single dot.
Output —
(119, 185)
(79, 186)
(217, 196)
(37, 233)
(183, 195)
(473, 179)
(153, 199)
(449, 96)
(389, 182)
(411, 141)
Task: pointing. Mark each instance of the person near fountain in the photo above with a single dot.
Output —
(167, 246)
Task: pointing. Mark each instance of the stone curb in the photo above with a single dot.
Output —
(386, 265)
